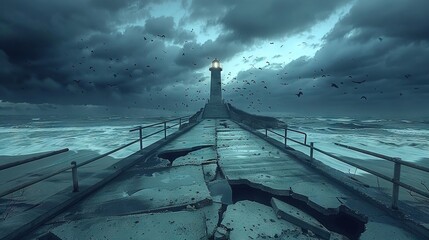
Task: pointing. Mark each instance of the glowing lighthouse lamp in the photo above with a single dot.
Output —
(216, 84)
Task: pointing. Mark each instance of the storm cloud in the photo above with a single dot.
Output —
(140, 54)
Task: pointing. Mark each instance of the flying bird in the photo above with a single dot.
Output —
(334, 85)
(299, 94)
(363, 97)
(359, 82)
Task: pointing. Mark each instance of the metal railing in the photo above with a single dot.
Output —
(165, 127)
(32, 159)
(74, 165)
(395, 180)
(285, 136)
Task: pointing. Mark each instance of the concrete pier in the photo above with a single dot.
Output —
(220, 181)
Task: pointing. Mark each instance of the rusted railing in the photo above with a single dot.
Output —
(74, 166)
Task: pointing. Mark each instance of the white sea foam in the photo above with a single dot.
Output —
(32, 138)
(406, 140)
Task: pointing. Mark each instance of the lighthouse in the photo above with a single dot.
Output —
(215, 83)
(215, 108)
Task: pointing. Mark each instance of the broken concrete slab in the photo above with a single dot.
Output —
(211, 213)
(169, 225)
(220, 191)
(246, 159)
(299, 218)
(385, 228)
(140, 191)
(199, 156)
(203, 134)
(210, 171)
(251, 220)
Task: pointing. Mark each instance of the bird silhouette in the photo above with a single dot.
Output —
(299, 94)
(359, 82)
(363, 97)
(334, 85)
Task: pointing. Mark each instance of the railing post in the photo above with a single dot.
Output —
(311, 151)
(74, 176)
(165, 130)
(286, 136)
(266, 132)
(141, 140)
(396, 179)
(180, 122)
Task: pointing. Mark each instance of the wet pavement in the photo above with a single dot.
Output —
(186, 190)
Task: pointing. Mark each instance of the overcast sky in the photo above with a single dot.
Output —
(347, 58)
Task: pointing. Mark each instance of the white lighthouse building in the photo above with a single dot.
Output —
(215, 108)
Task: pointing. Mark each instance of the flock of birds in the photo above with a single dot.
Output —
(120, 71)
(249, 88)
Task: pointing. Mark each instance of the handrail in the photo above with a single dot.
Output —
(396, 175)
(397, 161)
(355, 165)
(164, 129)
(297, 131)
(31, 159)
(367, 152)
(392, 159)
(158, 123)
(285, 137)
(106, 154)
(74, 166)
(29, 183)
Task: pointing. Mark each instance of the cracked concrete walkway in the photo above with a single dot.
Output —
(168, 200)
(247, 159)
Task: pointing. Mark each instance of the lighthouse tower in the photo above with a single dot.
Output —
(216, 83)
(215, 108)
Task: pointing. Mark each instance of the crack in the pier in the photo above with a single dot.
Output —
(343, 222)
(172, 155)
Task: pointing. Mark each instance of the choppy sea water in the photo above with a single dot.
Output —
(405, 139)
(20, 135)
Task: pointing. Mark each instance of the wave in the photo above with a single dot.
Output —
(354, 126)
(410, 131)
(373, 120)
(335, 119)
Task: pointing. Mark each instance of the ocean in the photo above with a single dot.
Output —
(89, 136)
(21, 135)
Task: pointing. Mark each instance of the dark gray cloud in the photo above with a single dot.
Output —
(250, 20)
(93, 52)
(376, 59)
(72, 53)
